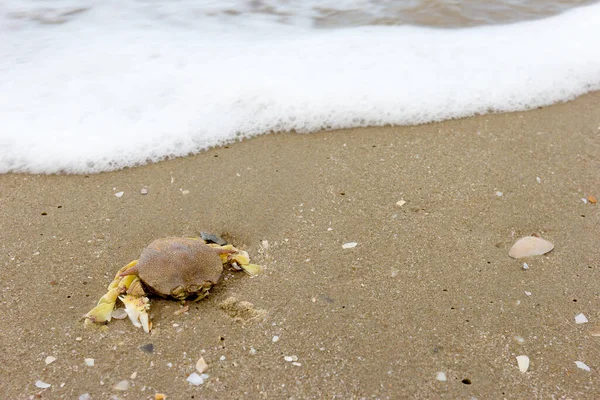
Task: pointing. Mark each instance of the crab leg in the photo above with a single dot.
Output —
(120, 284)
(237, 258)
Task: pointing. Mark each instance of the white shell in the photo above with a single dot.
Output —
(195, 379)
(349, 245)
(580, 319)
(581, 365)
(441, 376)
(530, 246)
(523, 362)
(42, 385)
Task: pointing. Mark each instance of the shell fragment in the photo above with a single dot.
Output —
(523, 363)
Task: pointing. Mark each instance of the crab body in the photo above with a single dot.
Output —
(169, 267)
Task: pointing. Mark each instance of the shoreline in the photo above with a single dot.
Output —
(429, 288)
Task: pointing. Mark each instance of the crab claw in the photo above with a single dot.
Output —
(137, 310)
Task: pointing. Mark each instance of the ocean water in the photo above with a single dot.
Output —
(91, 86)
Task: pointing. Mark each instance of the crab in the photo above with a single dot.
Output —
(179, 268)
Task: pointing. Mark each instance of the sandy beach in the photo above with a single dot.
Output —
(428, 288)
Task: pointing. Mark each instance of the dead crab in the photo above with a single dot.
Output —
(171, 267)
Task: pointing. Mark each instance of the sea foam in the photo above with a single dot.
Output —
(117, 86)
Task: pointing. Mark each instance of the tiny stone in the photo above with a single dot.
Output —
(147, 348)
(525, 266)
(170, 365)
(527, 293)
(275, 339)
(78, 338)
(134, 375)
(122, 386)
(201, 365)
(349, 245)
(252, 350)
(288, 358)
(184, 192)
(297, 364)
(119, 194)
(400, 203)
(499, 194)
(585, 201)
(441, 376)
(592, 199)
(89, 362)
(538, 179)
(144, 191)
(222, 358)
(49, 360)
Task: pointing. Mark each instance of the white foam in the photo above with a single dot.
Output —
(119, 86)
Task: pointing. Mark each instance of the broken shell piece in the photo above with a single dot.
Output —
(580, 319)
(441, 376)
(49, 360)
(119, 313)
(42, 385)
(89, 362)
(530, 246)
(349, 245)
(201, 365)
(251, 269)
(195, 379)
(523, 362)
(122, 386)
(581, 365)
(119, 194)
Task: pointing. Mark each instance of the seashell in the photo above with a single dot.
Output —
(523, 362)
(581, 365)
(530, 246)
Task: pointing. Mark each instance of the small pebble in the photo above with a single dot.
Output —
(400, 203)
(499, 194)
(580, 319)
(144, 191)
(582, 365)
(252, 350)
(222, 358)
(441, 376)
(519, 339)
(185, 192)
(89, 362)
(147, 348)
(296, 364)
(538, 179)
(122, 386)
(201, 365)
(275, 339)
(592, 199)
(78, 339)
(525, 266)
(49, 360)
(290, 358)
(133, 376)
(527, 293)
(42, 385)
(159, 396)
(349, 245)
(119, 194)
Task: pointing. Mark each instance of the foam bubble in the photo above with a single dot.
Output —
(117, 87)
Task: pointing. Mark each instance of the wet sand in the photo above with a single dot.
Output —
(428, 288)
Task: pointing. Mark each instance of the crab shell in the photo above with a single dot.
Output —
(179, 267)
